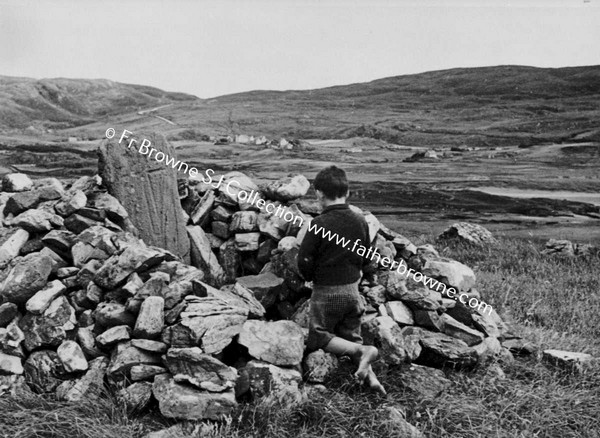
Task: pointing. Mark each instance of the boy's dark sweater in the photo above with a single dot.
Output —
(326, 262)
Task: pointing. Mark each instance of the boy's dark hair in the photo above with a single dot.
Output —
(332, 182)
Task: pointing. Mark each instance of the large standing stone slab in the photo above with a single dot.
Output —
(147, 189)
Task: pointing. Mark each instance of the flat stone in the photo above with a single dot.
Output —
(42, 299)
(212, 321)
(187, 403)
(156, 286)
(267, 287)
(113, 336)
(192, 366)
(37, 221)
(400, 312)
(235, 182)
(149, 345)
(460, 331)
(247, 241)
(150, 320)
(567, 360)
(234, 294)
(136, 396)
(71, 356)
(112, 314)
(278, 343)
(146, 372)
(201, 211)
(230, 260)
(86, 339)
(443, 350)
(111, 205)
(61, 242)
(125, 356)
(451, 273)
(220, 229)
(118, 267)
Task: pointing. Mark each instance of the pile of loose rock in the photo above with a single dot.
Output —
(84, 302)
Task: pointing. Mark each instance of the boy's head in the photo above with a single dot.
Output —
(331, 184)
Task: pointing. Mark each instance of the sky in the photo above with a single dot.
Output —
(211, 48)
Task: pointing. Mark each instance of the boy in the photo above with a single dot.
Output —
(335, 270)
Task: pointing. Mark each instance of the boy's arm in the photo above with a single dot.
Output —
(307, 254)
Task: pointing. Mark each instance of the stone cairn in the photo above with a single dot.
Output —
(84, 302)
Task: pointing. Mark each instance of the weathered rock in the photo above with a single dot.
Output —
(16, 182)
(10, 364)
(288, 188)
(385, 334)
(233, 184)
(90, 385)
(201, 211)
(267, 379)
(147, 189)
(136, 396)
(397, 422)
(279, 342)
(209, 321)
(451, 273)
(203, 257)
(156, 286)
(112, 314)
(44, 297)
(285, 265)
(118, 267)
(146, 372)
(150, 320)
(471, 233)
(202, 370)
(301, 316)
(12, 240)
(14, 385)
(61, 242)
(520, 346)
(247, 241)
(51, 327)
(267, 288)
(125, 356)
(220, 229)
(400, 312)
(25, 278)
(423, 381)
(221, 214)
(37, 221)
(488, 350)
(71, 356)
(114, 335)
(149, 345)
(460, 331)
(71, 202)
(57, 261)
(443, 350)
(319, 365)
(8, 312)
(429, 319)
(44, 371)
(185, 402)
(568, 360)
(230, 260)
(244, 222)
(87, 341)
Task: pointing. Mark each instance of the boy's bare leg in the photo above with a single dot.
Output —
(362, 355)
(374, 383)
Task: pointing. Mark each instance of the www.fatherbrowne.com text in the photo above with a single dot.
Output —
(253, 198)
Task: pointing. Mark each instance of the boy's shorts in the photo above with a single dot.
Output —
(334, 311)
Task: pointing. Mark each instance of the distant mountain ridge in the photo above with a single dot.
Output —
(475, 106)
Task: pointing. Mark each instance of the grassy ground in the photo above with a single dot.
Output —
(554, 302)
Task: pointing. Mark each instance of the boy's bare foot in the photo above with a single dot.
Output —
(367, 354)
(374, 383)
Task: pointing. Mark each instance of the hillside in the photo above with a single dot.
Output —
(489, 106)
